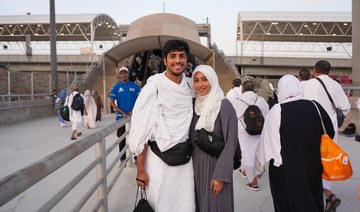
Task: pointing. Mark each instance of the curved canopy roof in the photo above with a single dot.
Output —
(152, 31)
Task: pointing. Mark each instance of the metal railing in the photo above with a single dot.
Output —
(89, 75)
(228, 63)
(23, 179)
(21, 97)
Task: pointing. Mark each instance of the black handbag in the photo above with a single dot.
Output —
(64, 113)
(142, 205)
(177, 155)
(340, 117)
(213, 145)
(209, 143)
(339, 114)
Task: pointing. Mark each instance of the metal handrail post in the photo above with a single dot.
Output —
(101, 174)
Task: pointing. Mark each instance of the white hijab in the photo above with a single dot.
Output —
(208, 106)
(289, 89)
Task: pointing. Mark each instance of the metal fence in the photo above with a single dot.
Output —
(18, 182)
(22, 97)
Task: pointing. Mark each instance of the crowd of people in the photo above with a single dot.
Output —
(87, 114)
(172, 108)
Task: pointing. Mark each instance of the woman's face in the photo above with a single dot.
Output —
(201, 84)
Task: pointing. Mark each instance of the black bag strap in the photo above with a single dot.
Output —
(247, 103)
(142, 195)
(322, 83)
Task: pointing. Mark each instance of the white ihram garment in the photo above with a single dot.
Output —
(162, 113)
(248, 143)
(74, 116)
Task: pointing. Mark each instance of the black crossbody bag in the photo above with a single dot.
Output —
(339, 114)
(213, 145)
(177, 155)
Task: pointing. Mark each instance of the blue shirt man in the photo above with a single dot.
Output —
(125, 93)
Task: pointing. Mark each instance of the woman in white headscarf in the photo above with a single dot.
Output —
(216, 114)
(290, 140)
(90, 110)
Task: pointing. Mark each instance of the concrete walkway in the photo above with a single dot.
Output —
(27, 142)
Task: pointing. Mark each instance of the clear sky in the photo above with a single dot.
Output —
(222, 14)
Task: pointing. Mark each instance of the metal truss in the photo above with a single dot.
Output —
(97, 32)
(291, 49)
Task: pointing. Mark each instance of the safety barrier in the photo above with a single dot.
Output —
(18, 182)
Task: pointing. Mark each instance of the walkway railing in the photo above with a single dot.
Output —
(22, 97)
(228, 63)
(21, 180)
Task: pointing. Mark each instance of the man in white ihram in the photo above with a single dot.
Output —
(163, 113)
(313, 90)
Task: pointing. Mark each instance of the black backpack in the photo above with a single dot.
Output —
(78, 102)
(254, 119)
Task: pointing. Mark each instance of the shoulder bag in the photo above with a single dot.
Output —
(335, 161)
(340, 115)
(213, 145)
(177, 155)
(64, 111)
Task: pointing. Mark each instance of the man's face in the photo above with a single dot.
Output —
(123, 75)
(176, 62)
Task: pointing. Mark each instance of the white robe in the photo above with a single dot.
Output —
(248, 143)
(234, 93)
(74, 116)
(163, 113)
(313, 90)
(91, 108)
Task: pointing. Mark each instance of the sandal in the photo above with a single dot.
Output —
(332, 203)
(73, 138)
(251, 187)
(242, 173)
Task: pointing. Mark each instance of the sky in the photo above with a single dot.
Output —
(221, 14)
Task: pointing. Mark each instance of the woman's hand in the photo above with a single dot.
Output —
(216, 186)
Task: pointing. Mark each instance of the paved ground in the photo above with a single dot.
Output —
(25, 143)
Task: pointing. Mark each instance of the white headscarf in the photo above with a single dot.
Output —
(208, 106)
(289, 88)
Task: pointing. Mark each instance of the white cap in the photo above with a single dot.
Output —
(124, 69)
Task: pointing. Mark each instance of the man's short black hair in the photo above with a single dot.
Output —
(248, 86)
(176, 45)
(236, 82)
(304, 74)
(322, 66)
